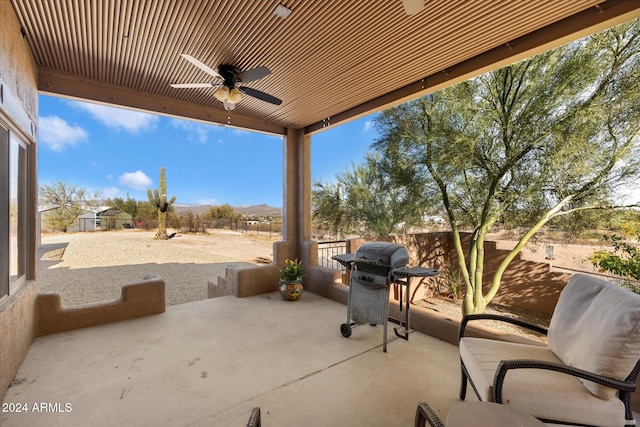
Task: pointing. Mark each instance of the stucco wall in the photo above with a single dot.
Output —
(18, 74)
(18, 329)
(18, 105)
(525, 284)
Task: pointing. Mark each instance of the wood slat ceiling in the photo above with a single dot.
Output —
(326, 59)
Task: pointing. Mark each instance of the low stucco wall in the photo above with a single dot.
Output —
(138, 299)
(18, 330)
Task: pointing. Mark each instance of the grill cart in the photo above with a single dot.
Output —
(374, 267)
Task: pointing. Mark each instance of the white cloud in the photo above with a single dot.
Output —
(240, 132)
(110, 192)
(368, 125)
(120, 118)
(57, 134)
(195, 131)
(136, 180)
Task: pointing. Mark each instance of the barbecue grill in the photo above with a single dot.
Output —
(374, 267)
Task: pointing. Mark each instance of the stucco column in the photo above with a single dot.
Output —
(296, 193)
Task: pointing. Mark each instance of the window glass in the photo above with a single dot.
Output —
(4, 211)
(17, 211)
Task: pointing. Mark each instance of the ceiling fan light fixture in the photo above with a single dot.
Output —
(235, 96)
(228, 105)
(222, 93)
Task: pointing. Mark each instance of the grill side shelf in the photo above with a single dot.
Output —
(346, 260)
(416, 271)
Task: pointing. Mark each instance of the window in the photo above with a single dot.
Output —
(13, 210)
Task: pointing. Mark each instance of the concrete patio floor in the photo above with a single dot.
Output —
(207, 363)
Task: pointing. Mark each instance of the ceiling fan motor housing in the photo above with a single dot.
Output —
(229, 74)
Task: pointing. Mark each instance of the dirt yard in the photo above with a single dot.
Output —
(91, 267)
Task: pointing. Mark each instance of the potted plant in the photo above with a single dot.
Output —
(291, 280)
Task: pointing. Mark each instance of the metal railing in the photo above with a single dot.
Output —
(328, 249)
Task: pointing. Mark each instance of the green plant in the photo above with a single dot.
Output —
(454, 281)
(159, 200)
(624, 261)
(292, 270)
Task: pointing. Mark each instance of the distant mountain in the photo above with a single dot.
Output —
(256, 210)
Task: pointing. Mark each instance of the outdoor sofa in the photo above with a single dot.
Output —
(584, 375)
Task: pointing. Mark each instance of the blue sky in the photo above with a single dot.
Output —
(119, 152)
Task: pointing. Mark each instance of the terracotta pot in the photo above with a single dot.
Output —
(290, 290)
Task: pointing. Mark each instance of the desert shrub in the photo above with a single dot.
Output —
(192, 223)
(623, 261)
(453, 281)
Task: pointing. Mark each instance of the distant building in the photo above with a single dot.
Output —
(114, 219)
(86, 221)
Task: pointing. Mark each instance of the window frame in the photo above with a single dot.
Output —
(4, 213)
(24, 267)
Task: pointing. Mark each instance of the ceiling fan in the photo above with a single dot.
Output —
(226, 79)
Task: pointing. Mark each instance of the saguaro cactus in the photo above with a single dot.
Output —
(159, 199)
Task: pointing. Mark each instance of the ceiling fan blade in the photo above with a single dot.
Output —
(183, 85)
(253, 74)
(412, 6)
(261, 95)
(200, 65)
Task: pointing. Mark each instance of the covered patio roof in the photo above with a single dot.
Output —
(329, 61)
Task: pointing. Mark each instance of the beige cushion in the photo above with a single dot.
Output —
(541, 393)
(596, 327)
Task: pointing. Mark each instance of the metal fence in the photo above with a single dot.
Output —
(328, 249)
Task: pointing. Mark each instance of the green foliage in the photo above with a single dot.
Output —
(192, 223)
(372, 199)
(624, 261)
(292, 270)
(328, 208)
(129, 205)
(454, 282)
(528, 143)
(630, 224)
(223, 212)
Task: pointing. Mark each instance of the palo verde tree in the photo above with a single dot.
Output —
(66, 202)
(372, 199)
(329, 208)
(159, 200)
(544, 137)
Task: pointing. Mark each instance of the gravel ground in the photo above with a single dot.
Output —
(92, 267)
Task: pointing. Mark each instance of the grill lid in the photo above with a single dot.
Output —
(381, 254)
